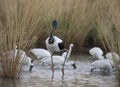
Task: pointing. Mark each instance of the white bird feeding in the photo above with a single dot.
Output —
(104, 64)
(21, 54)
(113, 57)
(40, 53)
(24, 58)
(96, 52)
(58, 60)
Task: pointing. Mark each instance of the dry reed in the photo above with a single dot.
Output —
(20, 24)
(107, 22)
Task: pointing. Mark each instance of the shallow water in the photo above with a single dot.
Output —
(80, 77)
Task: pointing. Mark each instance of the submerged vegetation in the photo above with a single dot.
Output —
(26, 23)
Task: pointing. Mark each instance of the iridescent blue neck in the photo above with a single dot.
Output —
(51, 39)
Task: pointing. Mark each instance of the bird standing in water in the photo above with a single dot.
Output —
(54, 44)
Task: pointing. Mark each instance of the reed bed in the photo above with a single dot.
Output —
(20, 24)
(107, 24)
(74, 20)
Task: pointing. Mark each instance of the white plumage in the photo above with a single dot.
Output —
(112, 56)
(57, 60)
(21, 54)
(23, 57)
(40, 53)
(53, 47)
(104, 64)
(96, 52)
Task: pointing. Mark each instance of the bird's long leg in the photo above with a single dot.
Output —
(52, 66)
(63, 66)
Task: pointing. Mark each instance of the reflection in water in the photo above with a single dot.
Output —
(5, 82)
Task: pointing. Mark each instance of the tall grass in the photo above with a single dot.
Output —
(107, 22)
(77, 22)
(115, 10)
(103, 23)
(74, 20)
(20, 24)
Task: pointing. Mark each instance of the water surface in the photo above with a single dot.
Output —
(80, 77)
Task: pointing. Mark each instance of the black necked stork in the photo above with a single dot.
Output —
(54, 44)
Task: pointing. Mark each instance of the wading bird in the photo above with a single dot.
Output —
(15, 53)
(40, 54)
(54, 44)
(104, 64)
(58, 60)
(113, 57)
(96, 52)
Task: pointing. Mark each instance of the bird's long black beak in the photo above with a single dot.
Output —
(74, 66)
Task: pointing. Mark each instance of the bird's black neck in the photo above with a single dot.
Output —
(51, 39)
